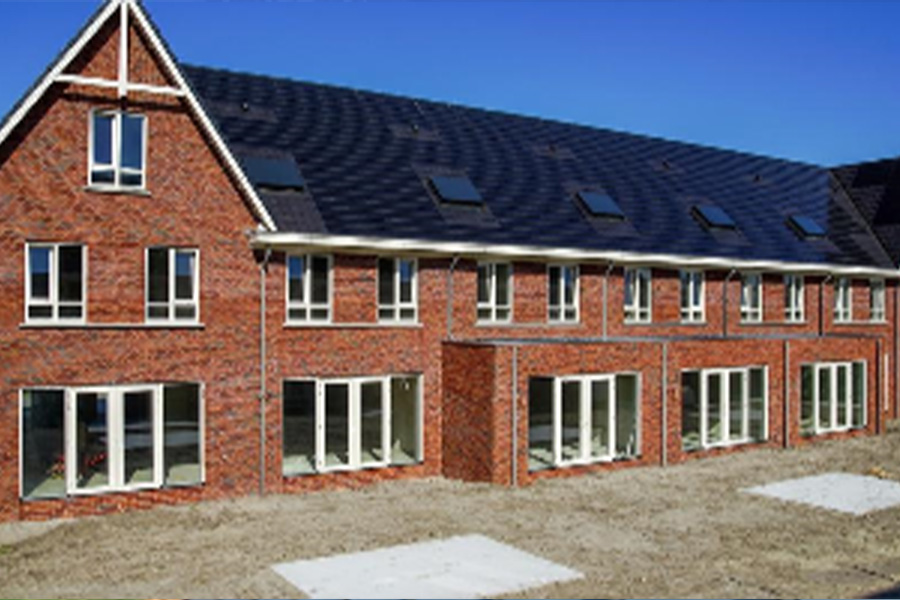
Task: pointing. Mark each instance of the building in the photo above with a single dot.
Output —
(217, 283)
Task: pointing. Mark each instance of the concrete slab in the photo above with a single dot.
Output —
(470, 566)
(853, 494)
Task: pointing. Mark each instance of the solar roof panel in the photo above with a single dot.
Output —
(279, 173)
(714, 217)
(456, 188)
(807, 226)
(600, 204)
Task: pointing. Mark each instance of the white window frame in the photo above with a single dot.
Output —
(749, 312)
(877, 301)
(172, 302)
(843, 300)
(397, 306)
(725, 406)
(116, 166)
(795, 295)
(307, 304)
(576, 300)
(693, 312)
(833, 367)
(354, 434)
(634, 312)
(53, 275)
(492, 304)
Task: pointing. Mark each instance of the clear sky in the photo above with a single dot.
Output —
(808, 80)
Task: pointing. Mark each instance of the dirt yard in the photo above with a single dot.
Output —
(684, 531)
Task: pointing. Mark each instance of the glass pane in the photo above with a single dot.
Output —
(131, 179)
(297, 314)
(788, 296)
(600, 447)
(626, 415)
(843, 396)
(405, 420)
(735, 406)
(715, 427)
(503, 314)
(91, 440)
(570, 283)
(296, 273)
(43, 447)
(385, 281)
(407, 314)
(685, 291)
(859, 394)
(484, 282)
(319, 314)
(103, 127)
(484, 314)
(158, 312)
(407, 273)
(690, 411)
(158, 274)
(320, 279)
(39, 263)
(138, 437)
(554, 275)
(540, 423)
(70, 312)
(299, 434)
(825, 398)
(103, 176)
(807, 425)
(757, 405)
(132, 142)
(70, 273)
(186, 312)
(40, 312)
(337, 424)
(643, 283)
(371, 414)
(386, 314)
(185, 269)
(181, 434)
(571, 420)
(697, 290)
(630, 284)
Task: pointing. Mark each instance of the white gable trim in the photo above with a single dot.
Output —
(55, 75)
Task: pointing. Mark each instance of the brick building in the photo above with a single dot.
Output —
(217, 283)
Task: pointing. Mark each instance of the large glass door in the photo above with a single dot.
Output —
(354, 424)
(585, 419)
(725, 402)
(90, 469)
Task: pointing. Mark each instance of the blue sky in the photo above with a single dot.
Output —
(812, 81)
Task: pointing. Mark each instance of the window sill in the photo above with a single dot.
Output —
(119, 326)
(632, 323)
(115, 189)
(380, 325)
(858, 323)
(693, 323)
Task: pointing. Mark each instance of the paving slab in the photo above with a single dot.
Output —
(470, 566)
(843, 492)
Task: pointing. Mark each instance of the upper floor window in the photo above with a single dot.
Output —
(397, 289)
(494, 292)
(563, 294)
(308, 288)
(637, 296)
(118, 149)
(751, 298)
(876, 300)
(693, 305)
(55, 286)
(173, 285)
(793, 298)
(843, 300)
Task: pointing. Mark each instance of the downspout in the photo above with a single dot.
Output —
(879, 408)
(450, 273)
(664, 429)
(787, 394)
(728, 277)
(609, 269)
(514, 463)
(263, 270)
(824, 281)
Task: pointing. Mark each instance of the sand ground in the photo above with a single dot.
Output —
(684, 531)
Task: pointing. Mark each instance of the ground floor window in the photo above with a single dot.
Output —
(347, 424)
(832, 397)
(723, 407)
(582, 419)
(92, 440)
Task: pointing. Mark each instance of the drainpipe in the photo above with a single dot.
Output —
(263, 270)
(515, 418)
(728, 277)
(450, 273)
(787, 394)
(879, 409)
(609, 269)
(827, 278)
(664, 429)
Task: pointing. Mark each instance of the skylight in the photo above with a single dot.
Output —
(278, 173)
(600, 204)
(457, 189)
(714, 217)
(807, 226)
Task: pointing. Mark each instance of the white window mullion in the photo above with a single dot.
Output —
(158, 435)
(816, 399)
(611, 409)
(387, 407)
(557, 421)
(745, 405)
(320, 426)
(704, 409)
(584, 419)
(115, 424)
(70, 441)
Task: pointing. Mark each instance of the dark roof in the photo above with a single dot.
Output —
(367, 159)
(875, 188)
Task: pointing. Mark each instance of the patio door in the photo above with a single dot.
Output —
(584, 423)
(115, 439)
(833, 406)
(353, 424)
(724, 401)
